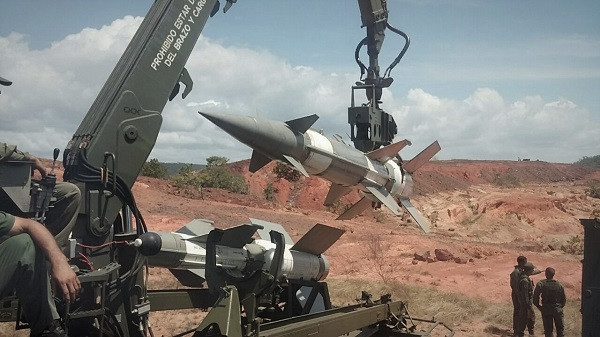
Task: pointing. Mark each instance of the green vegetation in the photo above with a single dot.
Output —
(286, 172)
(154, 169)
(270, 191)
(589, 161)
(593, 189)
(216, 174)
(506, 180)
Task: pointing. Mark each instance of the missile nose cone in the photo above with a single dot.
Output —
(240, 127)
(271, 138)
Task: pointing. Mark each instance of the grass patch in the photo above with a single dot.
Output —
(449, 308)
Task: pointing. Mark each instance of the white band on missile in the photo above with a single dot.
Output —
(316, 163)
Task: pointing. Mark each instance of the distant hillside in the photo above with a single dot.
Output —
(173, 168)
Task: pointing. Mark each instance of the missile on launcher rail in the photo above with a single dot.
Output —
(237, 253)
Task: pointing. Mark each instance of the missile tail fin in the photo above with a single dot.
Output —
(197, 227)
(238, 236)
(355, 209)
(296, 164)
(422, 158)
(387, 152)
(336, 191)
(318, 239)
(415, 214)
(189, 277)
(271, 226)
(386, 198)
(257, 161)
(302, 124)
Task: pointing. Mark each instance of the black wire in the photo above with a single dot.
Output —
(399, 57)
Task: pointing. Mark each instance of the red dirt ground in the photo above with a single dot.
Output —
(472, 217)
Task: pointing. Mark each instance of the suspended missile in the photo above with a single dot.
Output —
(237, 253)
(380, 175)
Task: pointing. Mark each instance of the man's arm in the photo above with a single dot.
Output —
(62, 274)
(536, 295)
(10, 152)
(563, 297)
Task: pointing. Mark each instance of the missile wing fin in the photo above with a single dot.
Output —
(197, 227)
(355, 209)
(318, 239)
(385, 197)
(388, 152)
(296, 165)
(269, 226)
(302, 124)
(257, 161)
(189, 277)
(238, 236)
(415, 214)
(422, 158)
(336, 191)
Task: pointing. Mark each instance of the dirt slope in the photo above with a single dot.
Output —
(475, 219)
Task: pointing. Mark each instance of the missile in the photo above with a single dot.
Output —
(237, 253)
(380, 174)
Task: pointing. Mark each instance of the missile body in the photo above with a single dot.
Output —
(378, 174)
(239, 255)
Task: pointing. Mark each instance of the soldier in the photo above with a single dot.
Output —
(553, 301)
(514, 282)
(23, 269)
(525, 311)
(63, 214)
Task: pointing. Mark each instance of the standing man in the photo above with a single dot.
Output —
(553, 302)
(514, 286)
(23, 268)
(524, 297)
(62, 216)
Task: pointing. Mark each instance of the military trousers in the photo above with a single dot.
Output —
(23, 269)
(62, 216)
(551, 318)
(530, 321)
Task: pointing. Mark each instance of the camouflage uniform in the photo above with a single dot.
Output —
(514, 286)
(525, 312)
(553, 301)
(62, 216)
(23, 268)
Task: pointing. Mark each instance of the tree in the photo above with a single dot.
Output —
(154, 169)
(213, 161)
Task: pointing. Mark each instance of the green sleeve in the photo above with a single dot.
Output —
(6, 223)
(10, 152)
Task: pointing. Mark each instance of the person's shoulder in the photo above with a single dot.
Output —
(6, 222)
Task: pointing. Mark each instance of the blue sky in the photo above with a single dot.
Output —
(488, 79)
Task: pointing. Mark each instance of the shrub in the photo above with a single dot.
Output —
(573, 246)
(281, 170)
(216, 174)
(593, 189)
(506, 180)
(270, 191)
(154, 169)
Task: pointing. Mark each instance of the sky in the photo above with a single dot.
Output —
(490, 80)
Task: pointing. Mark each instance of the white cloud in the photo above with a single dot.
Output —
(54, 88)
